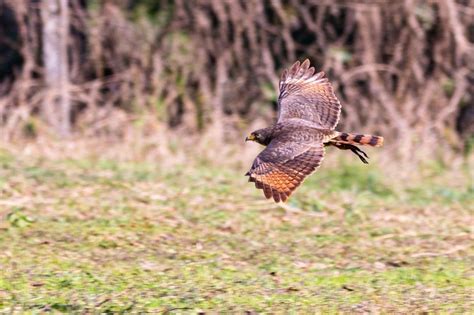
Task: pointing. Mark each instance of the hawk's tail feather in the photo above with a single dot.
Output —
(352, 138)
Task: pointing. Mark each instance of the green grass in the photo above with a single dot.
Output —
(103, 236)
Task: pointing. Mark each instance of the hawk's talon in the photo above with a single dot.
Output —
(346, 146)
(358, 152)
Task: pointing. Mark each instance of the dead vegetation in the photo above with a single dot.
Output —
(403, 69)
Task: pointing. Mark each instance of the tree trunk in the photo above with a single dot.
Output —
(57, 106)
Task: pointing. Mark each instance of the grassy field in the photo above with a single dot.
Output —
(103, 236)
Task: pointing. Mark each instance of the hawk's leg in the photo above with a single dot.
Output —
(346, 146)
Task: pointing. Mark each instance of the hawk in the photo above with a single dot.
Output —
(308, 112)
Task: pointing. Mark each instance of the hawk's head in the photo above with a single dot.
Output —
(262, 136)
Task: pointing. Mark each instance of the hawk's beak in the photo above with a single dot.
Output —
(250, 138)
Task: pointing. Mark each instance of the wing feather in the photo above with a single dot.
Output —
(279, 174)
(309, 96)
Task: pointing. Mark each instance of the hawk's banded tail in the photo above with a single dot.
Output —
(352, 138)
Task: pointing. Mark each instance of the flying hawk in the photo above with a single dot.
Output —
(308, 112)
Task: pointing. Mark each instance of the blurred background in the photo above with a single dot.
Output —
(157, 70)
(122, 155)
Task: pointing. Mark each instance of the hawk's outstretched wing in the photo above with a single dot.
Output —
(308, 96)
(283, 165)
